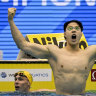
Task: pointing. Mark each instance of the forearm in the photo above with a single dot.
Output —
(36, 50)
(17, 36)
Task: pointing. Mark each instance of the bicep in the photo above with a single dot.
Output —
(36, 50)
(91, 51)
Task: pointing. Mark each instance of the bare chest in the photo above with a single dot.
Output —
(72, 63)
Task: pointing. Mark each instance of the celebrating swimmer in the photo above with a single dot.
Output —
(71, 65)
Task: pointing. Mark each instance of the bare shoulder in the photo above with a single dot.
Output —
(53, 50)
(91, 50)
(50, 47)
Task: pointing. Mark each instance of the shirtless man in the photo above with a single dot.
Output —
(70, 65)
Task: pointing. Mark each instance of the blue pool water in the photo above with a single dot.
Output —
(42, 93)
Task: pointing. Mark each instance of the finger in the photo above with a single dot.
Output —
(12, 14)
(14, 9)
(8, 9)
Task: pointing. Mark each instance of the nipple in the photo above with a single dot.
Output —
(61, 66)
(85, 68)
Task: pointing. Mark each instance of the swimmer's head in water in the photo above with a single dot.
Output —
(23, 81)
(73, 32)
(26, 74)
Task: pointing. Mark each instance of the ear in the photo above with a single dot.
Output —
(29, 84)
(65, 35)
(81, 34)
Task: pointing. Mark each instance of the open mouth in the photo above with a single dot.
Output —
(74, 36)
(16, 87)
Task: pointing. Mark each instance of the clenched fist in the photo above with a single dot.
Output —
(11, 13)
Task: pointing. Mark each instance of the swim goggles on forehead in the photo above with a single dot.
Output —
(71, 28)
(20, 74)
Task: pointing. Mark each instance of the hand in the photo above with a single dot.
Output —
(11, 13)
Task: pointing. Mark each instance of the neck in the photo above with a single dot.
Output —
(73, 48)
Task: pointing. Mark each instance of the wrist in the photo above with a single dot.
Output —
(10, 21)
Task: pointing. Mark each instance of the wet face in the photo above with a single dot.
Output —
(21, 84)
(73, 33)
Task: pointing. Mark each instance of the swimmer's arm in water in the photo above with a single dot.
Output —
(37, 50)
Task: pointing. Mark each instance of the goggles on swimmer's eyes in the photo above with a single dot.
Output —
(20, 74)
(71, 28)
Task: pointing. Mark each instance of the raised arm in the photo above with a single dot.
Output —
(36, 50)
(90, 52)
